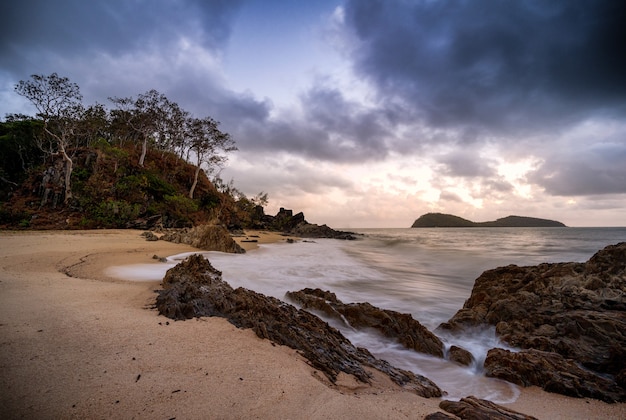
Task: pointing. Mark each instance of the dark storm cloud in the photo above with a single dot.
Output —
(329, 127)
(32, 28)
(494, 65)
(124, 48)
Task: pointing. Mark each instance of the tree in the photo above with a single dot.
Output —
(58, 104)
(206, 142)
(146, 115)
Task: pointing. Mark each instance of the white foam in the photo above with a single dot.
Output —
(274, 269)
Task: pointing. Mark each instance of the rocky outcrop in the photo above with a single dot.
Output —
(575, 310)
(478, 409)
(552, 372)
(194, 288)
(402, 327)
(460, 355)
(309, 230)
(295, 224)
(206, 237)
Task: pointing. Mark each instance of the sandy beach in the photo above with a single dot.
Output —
(77, 343)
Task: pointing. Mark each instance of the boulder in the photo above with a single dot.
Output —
(478, 409)
(552, 372)
(402, 327)
(576, 310)
(194, 288)
(206, 237)
(309, 230)
(460, 355)
(150, 236)
(295, 224)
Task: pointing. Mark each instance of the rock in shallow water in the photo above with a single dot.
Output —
(408, 331)
(575, 310)
(552, 372)
(194, 288)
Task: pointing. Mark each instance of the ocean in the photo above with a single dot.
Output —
(428, 273)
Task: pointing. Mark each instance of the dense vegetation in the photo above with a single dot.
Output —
(144, 161)
(431, 220)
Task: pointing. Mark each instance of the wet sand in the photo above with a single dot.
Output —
(77, 343)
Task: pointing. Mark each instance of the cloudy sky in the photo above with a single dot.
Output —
(366, 113)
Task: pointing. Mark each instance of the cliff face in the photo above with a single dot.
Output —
(431, 220)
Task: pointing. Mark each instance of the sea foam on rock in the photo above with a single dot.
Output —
(570, 311)
(194, 288)
(408, 331)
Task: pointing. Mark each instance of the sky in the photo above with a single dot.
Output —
(366, 113)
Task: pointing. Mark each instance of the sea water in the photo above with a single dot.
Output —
(428, 273)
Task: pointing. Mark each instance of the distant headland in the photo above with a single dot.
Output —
(431, 220)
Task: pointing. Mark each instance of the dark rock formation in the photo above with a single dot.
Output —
(432, 220)
(460, 356)
(207, 237)
(576, 310)
(194, 288)
(285, 221)
(409, 332)
(477, 409)
(552, 372)
(150, 236)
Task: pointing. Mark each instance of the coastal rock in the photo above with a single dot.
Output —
(194, 288)
(576, 310)
(309, 230)
(295, 224)
(207, 237)
(150, 236)
(478, 409)
(409, 332)
(552, 372)
(460, 355)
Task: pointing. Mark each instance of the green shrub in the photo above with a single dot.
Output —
(115, 213)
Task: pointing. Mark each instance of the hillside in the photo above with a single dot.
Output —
(431, 220)
(110, 190)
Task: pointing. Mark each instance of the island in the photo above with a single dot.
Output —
(441, 220)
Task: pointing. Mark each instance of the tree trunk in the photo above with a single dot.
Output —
(144, 149)
(195, 182)
(69, 166)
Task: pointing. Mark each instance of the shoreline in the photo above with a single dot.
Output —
(90, 344)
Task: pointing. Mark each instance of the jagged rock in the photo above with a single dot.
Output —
(409, 332)
(309, 230)
(285, 221)
(478, 409)
(577, 310)
(552, 372)
(207, 237)
(460, 355)
(150, 236)
(194, 288)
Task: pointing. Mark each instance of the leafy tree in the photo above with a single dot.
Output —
(58, 104)
(146, 116)
(206, 143)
